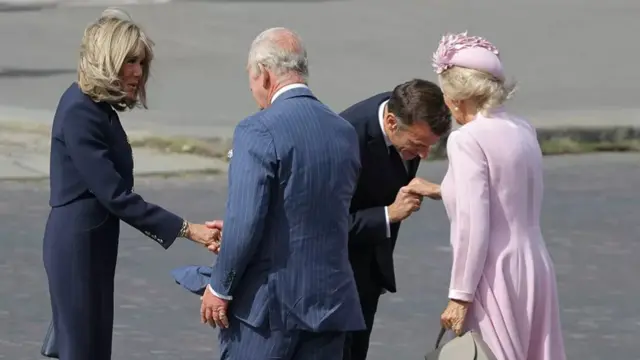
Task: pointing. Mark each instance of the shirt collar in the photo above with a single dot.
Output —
(381, 120)
(287, 88)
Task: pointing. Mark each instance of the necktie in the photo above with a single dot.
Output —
(396, 161)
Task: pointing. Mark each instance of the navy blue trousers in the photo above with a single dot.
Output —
(80, 250)
(243, 342)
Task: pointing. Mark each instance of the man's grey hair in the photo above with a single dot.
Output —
(280, 50)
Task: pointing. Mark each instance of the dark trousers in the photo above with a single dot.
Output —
(356, 343)
(243, 342)
(80, 262)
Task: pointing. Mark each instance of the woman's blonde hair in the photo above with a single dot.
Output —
(485, 90)
(107, 45)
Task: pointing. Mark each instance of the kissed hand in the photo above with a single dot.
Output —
(454, 315)
(425, 188)
(213, 310)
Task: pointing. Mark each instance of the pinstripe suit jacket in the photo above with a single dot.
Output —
(284, 257)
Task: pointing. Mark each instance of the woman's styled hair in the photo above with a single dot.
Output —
(107, 45)
(488, 92)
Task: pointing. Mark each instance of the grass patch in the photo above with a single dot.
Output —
(216, 148)
(569, 146)
(571, 140)
(566, 146)
(180, 174)
(219, 148)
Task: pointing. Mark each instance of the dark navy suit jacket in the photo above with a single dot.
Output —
(92, 158)
(370, 251)
(284, 257)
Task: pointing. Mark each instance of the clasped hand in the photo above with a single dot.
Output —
(208, 234)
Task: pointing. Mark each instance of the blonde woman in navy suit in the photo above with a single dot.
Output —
(92, 187)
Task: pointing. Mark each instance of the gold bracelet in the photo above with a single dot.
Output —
(184, 229)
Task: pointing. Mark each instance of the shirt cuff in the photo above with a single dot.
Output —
(228, 298)
(460, 295)
(386, 218)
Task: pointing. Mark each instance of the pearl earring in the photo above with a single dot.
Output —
(456, 108)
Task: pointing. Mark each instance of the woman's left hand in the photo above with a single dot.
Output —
(454, 315)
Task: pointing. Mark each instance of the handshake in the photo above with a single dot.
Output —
(410, 197)
(208, 234)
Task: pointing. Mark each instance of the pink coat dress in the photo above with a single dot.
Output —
(492, 193)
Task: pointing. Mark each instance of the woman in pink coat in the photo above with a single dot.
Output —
(503, 283)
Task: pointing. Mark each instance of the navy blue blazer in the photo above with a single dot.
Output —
(284, 257)
(92, 158)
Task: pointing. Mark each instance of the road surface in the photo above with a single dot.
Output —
(590, 224)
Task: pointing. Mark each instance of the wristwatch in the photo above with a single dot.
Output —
(184, 229)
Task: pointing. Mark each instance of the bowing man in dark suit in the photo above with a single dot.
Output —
(395, 131)
(91, 186)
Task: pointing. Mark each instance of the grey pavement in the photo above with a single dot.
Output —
(590, 223)
(571, 58)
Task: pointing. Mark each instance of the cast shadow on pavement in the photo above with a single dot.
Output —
(30, 73)
(7, 7)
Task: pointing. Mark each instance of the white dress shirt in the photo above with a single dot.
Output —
(287, 88)
(388, 143)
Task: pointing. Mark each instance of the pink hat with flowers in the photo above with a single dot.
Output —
(472, 52)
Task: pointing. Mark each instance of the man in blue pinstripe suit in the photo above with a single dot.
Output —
(282, 286)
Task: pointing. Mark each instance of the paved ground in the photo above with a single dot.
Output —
(572, 58)
(590, 223)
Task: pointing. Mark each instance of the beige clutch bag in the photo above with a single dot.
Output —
(469, 346)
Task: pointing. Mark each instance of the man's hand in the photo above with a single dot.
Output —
(213, 310)
(405, 204)
(215, 224)
(423, 187)
(203, 235)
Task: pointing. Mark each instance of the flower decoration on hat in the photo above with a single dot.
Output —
(451, 44)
